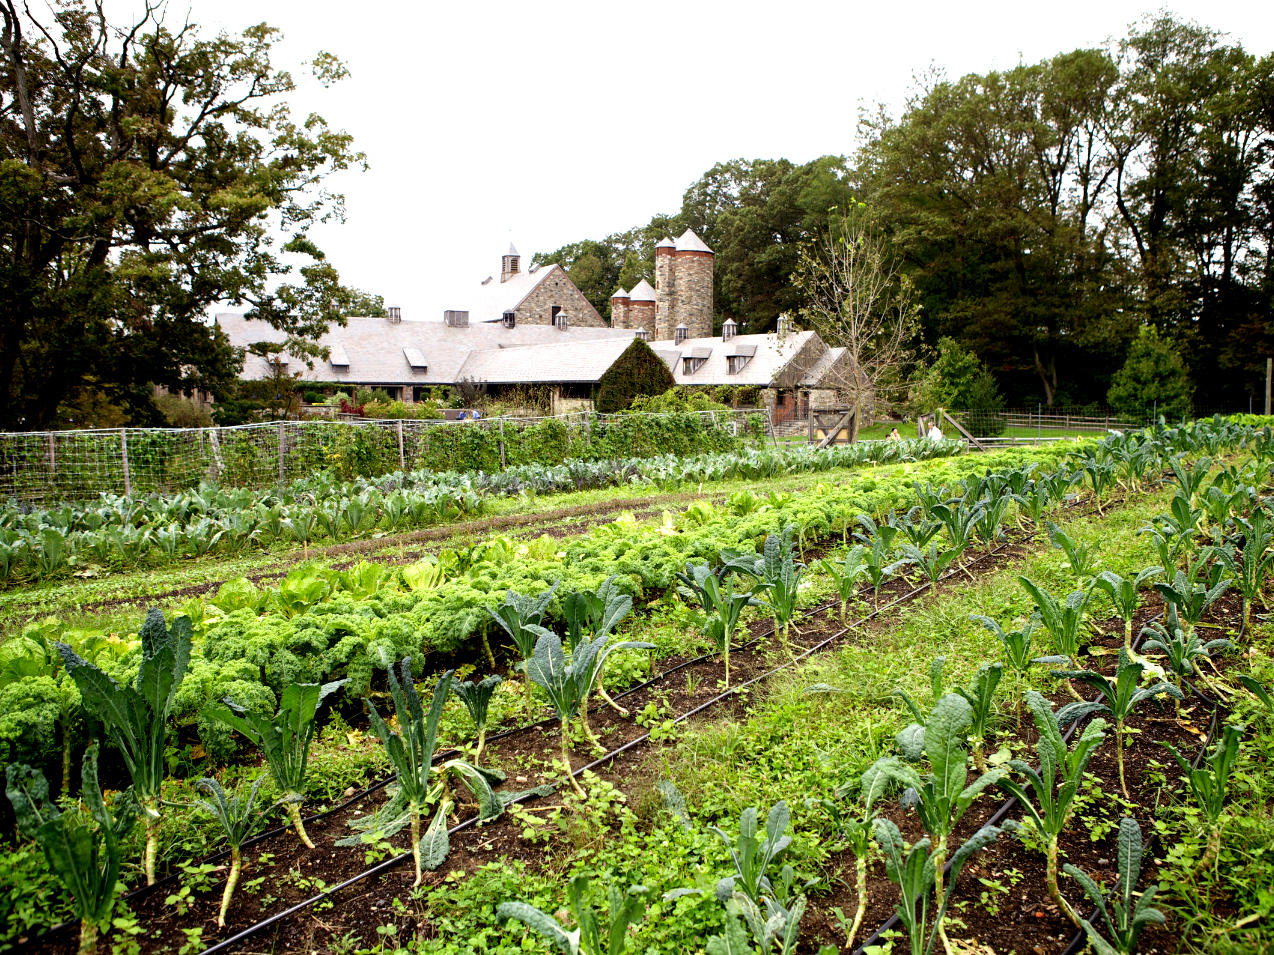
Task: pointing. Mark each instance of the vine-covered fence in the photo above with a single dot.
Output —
(50, 467)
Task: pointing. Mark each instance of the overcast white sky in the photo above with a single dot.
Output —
(544, 123)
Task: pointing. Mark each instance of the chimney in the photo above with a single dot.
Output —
(728, 329)
(680, 333)
(395, 314)
(455, 319)
(559, 318)
(643, 334)
(784, 326)
(509, 264)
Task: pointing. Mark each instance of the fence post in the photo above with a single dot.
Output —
(501, 421)
(123, 453)
(216, 453)
(402, 458)
(53, 458)
(282, 463)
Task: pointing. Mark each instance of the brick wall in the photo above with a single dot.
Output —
(558, 289)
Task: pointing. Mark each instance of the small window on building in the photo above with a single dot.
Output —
(736, 363)
(510, 319)
(691, 365)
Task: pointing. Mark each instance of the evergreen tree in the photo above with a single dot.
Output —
(1153, 380)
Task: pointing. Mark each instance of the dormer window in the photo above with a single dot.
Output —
(510, 319)
(690, 365)
(736, 363)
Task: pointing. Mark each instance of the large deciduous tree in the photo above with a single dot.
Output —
(149, 172)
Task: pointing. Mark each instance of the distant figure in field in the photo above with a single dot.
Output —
(935, 433)
(894, 435)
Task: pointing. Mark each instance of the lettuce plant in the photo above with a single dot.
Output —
(85, 856)
(1119, 698)
(1208, 784)
(136, 716)
(238, 817)
(476, 697)
(1055, 786)
(589, 937)
(284, 740)
(1128, 914)
(420, 785)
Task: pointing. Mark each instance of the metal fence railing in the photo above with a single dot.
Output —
(52, 467)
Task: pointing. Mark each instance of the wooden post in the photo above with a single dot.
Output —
(402, 458)
(809, 413)
(956, 424)
(123, 453)
(1269, 374)
(769, 423)
(502, 464)
(282, 463)
(53, 458)
(216, 453)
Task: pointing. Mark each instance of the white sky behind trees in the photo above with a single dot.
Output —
(488, 121)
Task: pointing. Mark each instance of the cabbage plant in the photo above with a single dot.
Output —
(136, 715)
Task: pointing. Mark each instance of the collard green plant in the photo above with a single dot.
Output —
(420, 785)
(1127, 915)
(1251, 566)
(238, 817)
(916, 870)
(778, 575)
(1118, 699)
(933, 561)
(858, 832)
(84, 855)
(1191, 594)
(624, 908)
(476, 697)
(722, 605)
(1208, 784)
(845, 573)
(1054, 786)
(1063, 620)
(136, 715)
(1264, 694)
(753, 855)
(518, 616)
(980, 695)
(944, 795)
(1125, 595)
(283, 740)
(1016, 646)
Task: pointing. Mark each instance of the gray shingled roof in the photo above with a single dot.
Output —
(538, 364)
(374, 348)
(493, 298)
(771, 356)
(818, 371)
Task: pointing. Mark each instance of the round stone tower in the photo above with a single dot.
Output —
(619, 309)
(641, 308)
(693, 278)
(665, 288)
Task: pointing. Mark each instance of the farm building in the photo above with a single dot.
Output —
(536, 328)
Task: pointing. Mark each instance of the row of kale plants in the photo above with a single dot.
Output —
(971, 507)
(123, 532)
(1216, 536)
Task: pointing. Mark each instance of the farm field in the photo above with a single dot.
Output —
(707, 709)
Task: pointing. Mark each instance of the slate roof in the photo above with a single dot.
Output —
(374, 349)
(539, 364)
(818, 371)
(493, 298)
(689, 242)
(770, 356)
(642, 292)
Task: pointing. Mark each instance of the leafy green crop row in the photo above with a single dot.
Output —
(121, 531)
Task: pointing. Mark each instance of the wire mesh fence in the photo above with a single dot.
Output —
(52, 467)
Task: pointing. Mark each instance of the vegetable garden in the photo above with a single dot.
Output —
(1013, 701)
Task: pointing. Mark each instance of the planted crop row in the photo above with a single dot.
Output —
(569, 679)
(118, 531)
